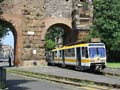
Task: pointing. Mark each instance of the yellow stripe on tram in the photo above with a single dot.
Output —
(66, 60)
(85, 61)
(74, 60)
(58, 59)
(70, 60)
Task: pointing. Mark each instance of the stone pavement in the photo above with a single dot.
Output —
(112, 71)
(63, 72)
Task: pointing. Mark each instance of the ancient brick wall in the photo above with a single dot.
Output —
(58, 8)
(12, 16)
(33, 15)
(26, 16)
(32, 18)
(82, 17)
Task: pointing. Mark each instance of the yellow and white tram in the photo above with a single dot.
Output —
(82, 56)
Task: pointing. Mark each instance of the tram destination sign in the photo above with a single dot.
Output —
(95, 40)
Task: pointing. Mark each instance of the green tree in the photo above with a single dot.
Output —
(106, 23)
(52, 37)
(3, 30)
(50, 44)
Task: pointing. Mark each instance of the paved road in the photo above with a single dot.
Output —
(17, 82)
(4, 64)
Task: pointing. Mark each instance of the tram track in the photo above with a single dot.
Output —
(111, 72)
(104, 72)
(69, 76)
(87, 85)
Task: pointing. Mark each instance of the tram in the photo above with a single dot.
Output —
(87, 56)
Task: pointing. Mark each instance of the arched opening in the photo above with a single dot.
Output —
(59, 35)
(9, 40)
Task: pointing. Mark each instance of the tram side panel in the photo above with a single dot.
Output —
(61, 58)
(82, 56)
(70, 57)
(50, 58)
(77, 57)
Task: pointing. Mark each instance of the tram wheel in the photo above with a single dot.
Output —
(49, 64)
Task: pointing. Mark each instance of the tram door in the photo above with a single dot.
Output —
(84, 56)
(63, 59)
(78, 54)
(52, 59)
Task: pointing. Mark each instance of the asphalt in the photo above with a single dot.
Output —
(25, 83)
(63, 72)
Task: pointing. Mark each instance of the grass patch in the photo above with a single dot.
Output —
(113, 64)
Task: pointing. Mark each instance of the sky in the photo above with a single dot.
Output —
(9, 39)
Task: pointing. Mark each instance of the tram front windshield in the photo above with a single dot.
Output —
(97, 52)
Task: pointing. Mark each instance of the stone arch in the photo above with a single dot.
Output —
(14, 24)
(52, 21)
(69, 34)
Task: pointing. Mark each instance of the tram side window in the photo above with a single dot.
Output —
(84, 52)
(60, 53)
(69, 52)
(55, 54)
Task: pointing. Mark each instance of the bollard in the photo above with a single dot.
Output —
(2, 78)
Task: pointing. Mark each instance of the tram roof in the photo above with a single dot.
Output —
(72, 46)
(79, 45)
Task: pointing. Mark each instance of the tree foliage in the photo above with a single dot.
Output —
(50, 44)
(1, 1)
(52, 37)
(3, 30)
(106, 23)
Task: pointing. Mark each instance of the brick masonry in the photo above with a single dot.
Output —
(30, 20)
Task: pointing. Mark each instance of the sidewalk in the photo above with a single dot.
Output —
(63, 72)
